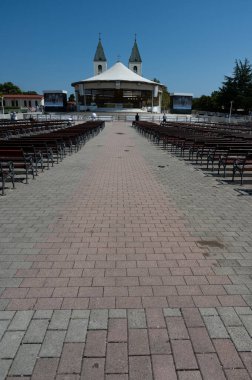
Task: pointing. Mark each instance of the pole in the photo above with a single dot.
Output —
(2, 105)
(230, 111)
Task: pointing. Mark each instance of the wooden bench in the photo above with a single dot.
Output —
(7, 172)
(241, 166)
(22, 163)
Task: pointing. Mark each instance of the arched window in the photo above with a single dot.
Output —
(135, 69)
(99, 69)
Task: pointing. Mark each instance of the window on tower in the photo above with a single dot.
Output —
(135, 69)
(99, 69)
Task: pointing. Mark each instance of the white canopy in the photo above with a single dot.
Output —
(119, 72)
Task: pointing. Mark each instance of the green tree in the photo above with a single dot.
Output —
(237, 88)
(9, 88)
(71, 98)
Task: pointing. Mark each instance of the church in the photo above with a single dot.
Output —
(117, 88)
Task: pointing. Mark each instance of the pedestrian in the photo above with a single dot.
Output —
(93, 116)
(137, 117)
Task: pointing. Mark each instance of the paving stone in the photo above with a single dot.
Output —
(172, 312)
(43, 314)
(183, 355)
(60, 320)
(96, 343)
(163, 367)
(155, 318)
(53, 343)
(10, 344)
(3, 304)
(189, 375)
(176, 328)
(77, 330)
(45, 369)
(98, 319)
(215, 327)
(6, 315)
(200, 340)
(247, 322)
(4, 368)
(227, 353)
(205, 311)
(80, 314)
(3, 327)
(237, 374)
(229, 316)
(71, 359)
(117, 330)
(117, 358)
(210, 367)
(93, 369)
(117, 313)
(247, 360)
(136, 319)
(159, 342)
(140, 368)
(21, 320)
(243, 310)
(25, 359)
(36, 331)
(192, 317)
(138, 342)
(240, 337)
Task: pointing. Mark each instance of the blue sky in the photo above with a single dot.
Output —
(189, 45)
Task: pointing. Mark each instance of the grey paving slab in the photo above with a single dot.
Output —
(43, 314)
(172, 312)
(77, 331)
(10, 344)
(98, 319)
(215, 327)
(60, 320)
(25, 360)
(53, 343)
(229, 316)
(3, 327)
(117, 313)
(137, 319)
(36, 331)
(4, 368)
(21, 320)
(241, 338)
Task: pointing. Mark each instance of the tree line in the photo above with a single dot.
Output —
(236, 91)
(10, 88)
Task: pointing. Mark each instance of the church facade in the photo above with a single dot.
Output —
(118, 87)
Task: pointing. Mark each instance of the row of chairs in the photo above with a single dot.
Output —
(227, 150)
(24, 157)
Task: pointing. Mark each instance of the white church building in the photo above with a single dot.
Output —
(118, 87)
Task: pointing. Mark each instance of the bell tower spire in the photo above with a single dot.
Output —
(135, 61)
(100, 61)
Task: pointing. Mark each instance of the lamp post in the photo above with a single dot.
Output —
(230, 111)
(2, 104)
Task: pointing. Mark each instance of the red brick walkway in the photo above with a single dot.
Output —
(121, 249)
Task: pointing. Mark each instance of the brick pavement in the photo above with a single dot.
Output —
(124, 262)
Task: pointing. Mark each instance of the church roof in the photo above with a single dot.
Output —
(99, 54)
(118, 72)
(135, 55)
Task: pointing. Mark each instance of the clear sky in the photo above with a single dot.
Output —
(189, 45)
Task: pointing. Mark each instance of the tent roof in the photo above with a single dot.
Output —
(119, 72)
